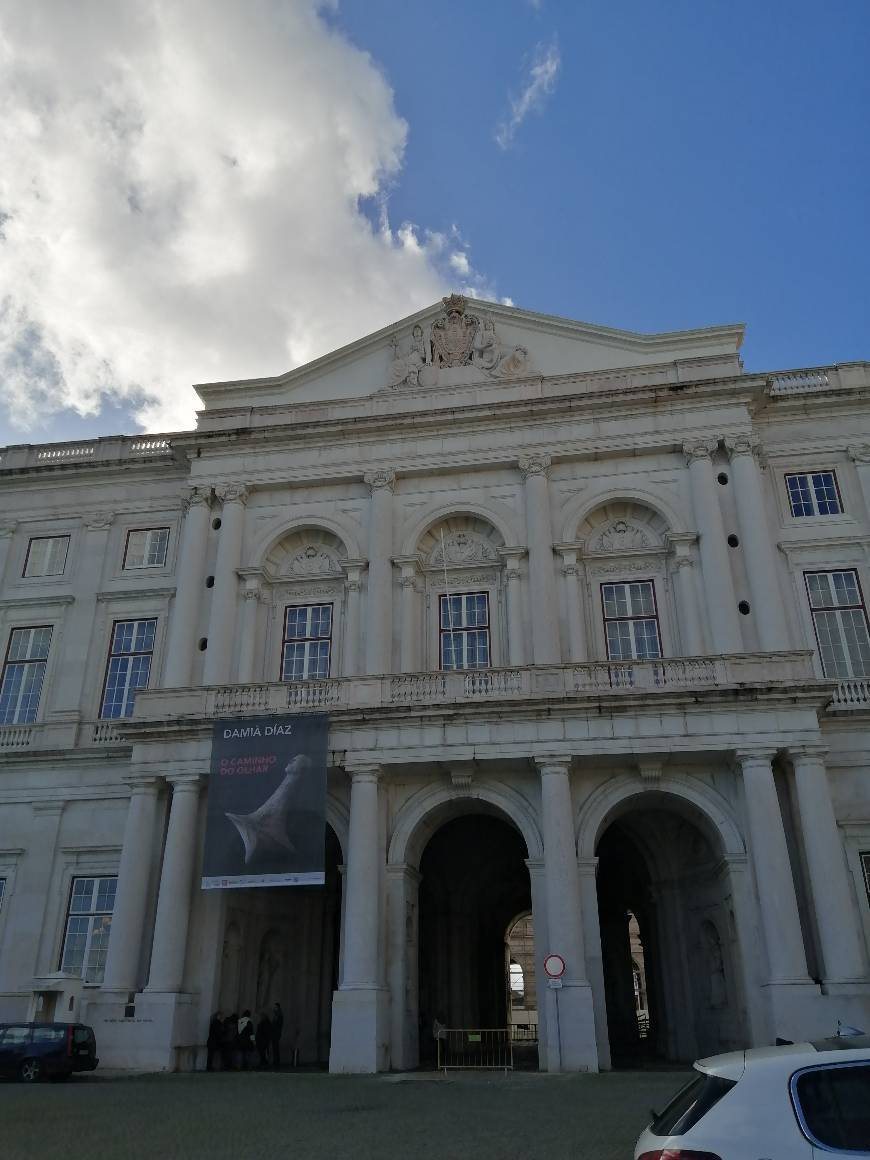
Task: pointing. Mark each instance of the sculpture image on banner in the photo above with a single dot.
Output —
(266, 822)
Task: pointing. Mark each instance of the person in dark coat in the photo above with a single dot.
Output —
(277, 1029)
(230, 1046)
(263, 1039)
(215, 1041)
(246, 1039)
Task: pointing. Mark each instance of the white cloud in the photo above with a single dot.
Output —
(539, 82)
(184, 188)
(459, 262)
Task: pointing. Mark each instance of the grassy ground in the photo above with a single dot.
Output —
(266, 1116)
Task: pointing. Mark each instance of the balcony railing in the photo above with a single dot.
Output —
(110, 449)
(852, 694)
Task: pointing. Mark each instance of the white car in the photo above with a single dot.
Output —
(794, 1102)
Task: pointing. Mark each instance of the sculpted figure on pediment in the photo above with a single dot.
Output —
(620, 536)
(487, 349)
(462, 549)
(311, 561)
(453, 335)
(405, 368)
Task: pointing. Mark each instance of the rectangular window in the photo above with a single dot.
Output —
(88, 923)
(23, 674)
(129, 665)
(46, 556)
(631, 622)
(146, 548)
(463, 631)
(865, 866)
(840, 621)
(814, 493)
(306, 647)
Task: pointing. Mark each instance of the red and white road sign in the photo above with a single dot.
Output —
(554, 965)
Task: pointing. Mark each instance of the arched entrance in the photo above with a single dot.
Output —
(282, 944)
(668, 934)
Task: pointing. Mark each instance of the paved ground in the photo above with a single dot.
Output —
(264, 1116)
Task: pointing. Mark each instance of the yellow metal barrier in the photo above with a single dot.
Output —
(482, 1048)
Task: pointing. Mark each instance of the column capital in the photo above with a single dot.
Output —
(555, 763)
(142, 783)
(587, 867)
(98, 521)
(410, 566)
(741, 445)
(748, 757)
(512, 556)
(859, 452)
(699, 449)
(7, 529)
(232, 493)
(534, 463)
(184, 782)
(384, 479)
(812, 750)
(365, 771)
(404, 870)
(195, 497)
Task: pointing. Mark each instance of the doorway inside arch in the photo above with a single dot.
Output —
(281, 944)
(668, 940)
(476, 956)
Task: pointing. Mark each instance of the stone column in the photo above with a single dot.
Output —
(176, 887)
(786, 955)
(587, 868)
(574, 602)
(222, 621)
(252, 595)
(352, 585)
(78, 627)
(514, 600)
(189, 592)
(7, 531)
(688, 613)
(537, 882)
(859, 453)
(833, 902)
(716, 567)
(572, 1042)
(131, 899)
(545, 637)
(403, 883)
(409, 644)
(359, 1006)
(757, 541)
(379, 618)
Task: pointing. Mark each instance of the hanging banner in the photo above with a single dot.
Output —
(266, 822)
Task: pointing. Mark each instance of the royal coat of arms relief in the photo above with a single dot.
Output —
(458, 339)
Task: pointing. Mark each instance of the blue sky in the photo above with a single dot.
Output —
(681, 164)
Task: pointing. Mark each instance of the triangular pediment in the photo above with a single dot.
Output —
(463, 341)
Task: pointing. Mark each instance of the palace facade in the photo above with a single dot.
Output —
(586, 610)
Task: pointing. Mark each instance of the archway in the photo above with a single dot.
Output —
(474, 884)
(668, 935)
(282, 944)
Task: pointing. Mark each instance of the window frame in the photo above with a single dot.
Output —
(101, 715)
(862, 605)
(25, 575)
(815, 513)
(835, 1150)
(864, 863)
(605, 620)
(13, 628)
(91, 914)
(451, 631)
(126, 567)
(306, 640)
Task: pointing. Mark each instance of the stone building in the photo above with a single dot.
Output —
(586, 611)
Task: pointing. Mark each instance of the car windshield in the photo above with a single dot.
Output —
(690, 1103)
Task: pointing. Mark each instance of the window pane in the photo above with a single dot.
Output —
(46, 556)
(74, 944)
(857, 642)
(845, 588)
(835, 1103)
(646, 638)
(831, 649)
(799, 495)
(825, 489)
(819, 587)
(619, 639)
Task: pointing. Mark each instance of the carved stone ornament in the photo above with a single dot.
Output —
(620, 536)
(463, 550)
(194, 496)
(383, 477)
(99, 521)
(232, 493)
(699, 448)
(741, 445)
(311, 561)
(859, 452)
(457, 339)
(8, 529)
(535, 464)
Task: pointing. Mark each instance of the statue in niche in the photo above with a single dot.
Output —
(268, 969)
(487, 350)
(406, 368)
(714, 964)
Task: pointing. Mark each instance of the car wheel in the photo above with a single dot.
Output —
(30, 1071)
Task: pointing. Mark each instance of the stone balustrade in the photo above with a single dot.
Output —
(852, 694)
(108, 450)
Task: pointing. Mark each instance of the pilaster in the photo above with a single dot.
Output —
(379, 620)
(535, 469)
(224, 608)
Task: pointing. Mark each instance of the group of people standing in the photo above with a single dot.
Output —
(233, 1040)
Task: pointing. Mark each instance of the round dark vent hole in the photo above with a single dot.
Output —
(733, 542)
(203, 643)
(209, 581)
(722, 477)
(216, 523)
(743, 607)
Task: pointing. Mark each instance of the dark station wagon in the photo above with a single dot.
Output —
(32, 1051)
